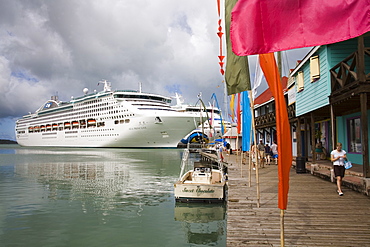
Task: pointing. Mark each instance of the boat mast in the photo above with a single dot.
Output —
(226, 107)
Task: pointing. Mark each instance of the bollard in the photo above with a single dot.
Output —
(300, 164)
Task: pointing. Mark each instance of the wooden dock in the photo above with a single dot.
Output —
(316, 215)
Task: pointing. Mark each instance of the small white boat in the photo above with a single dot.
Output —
(203, 183)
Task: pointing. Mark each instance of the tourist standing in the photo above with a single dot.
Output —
(261, 153)
(253, 155)
(219, 150)
(228, 148)
(338, 157)
(267, 154)
(274, 150)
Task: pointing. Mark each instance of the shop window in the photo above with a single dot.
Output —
(272, 108)
(354, 135)
(263, 110)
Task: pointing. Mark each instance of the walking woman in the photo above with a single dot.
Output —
(338, 156)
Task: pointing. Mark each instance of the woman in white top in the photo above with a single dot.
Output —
(274, 150)
(337, 157)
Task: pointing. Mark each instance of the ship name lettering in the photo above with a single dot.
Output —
(187, 190)
(137, 128)
(205, 191)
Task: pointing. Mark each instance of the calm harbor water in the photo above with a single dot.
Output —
(99, 197)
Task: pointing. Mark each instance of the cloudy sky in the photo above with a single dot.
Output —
(62, 46)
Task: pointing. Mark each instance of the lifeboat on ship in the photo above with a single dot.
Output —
(75, 124)
(48, 127)
(91, 122)
(30, 129)
(67, 125)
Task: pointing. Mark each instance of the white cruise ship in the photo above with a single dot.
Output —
(212, 128)
(121, 118)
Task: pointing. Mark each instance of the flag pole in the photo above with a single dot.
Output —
(250, 138)
(250, 161)
(241, 159)
(256, 156)
(237, 140)
(282, 227)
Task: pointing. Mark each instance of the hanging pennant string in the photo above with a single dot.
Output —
(218, 8)
(220, 33)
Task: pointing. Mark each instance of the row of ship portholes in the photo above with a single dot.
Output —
(82, 124)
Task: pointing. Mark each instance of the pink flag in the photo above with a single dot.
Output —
(264, 26)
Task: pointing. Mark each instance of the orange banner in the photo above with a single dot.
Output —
(284, 140)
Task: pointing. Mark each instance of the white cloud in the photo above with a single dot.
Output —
(66, 45)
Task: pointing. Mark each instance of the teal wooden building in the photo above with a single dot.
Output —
(331, 92)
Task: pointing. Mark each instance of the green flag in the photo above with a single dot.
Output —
(237, 69)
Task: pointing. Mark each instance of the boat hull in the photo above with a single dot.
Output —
(195, 192)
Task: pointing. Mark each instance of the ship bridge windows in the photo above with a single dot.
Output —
(146, 97)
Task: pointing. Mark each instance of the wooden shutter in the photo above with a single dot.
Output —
(314, 68)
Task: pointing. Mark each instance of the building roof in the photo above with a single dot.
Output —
(267, 94)
(232, 133)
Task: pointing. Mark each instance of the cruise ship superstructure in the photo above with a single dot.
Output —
(121, 118)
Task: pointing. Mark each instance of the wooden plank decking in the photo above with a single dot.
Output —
(316, 215)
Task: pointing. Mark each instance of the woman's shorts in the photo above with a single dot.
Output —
(275, 156)
(339, 171)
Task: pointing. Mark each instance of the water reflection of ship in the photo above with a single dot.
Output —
(103, 179)
(204, 223)
(63, 169)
